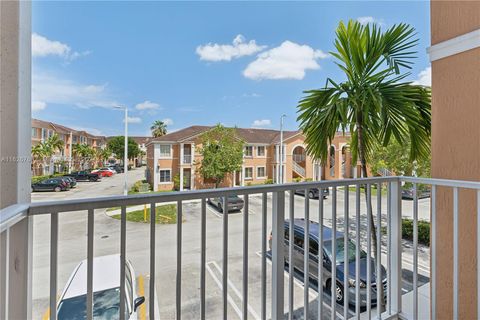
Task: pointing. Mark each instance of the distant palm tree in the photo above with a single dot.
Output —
(55, 142)
(38, 155)
(374, 103)
(84, 151)
(158, 128)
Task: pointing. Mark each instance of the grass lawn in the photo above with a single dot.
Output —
(166, 214)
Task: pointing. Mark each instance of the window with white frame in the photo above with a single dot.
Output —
(248, 151)
(261, 172)
(248, 172)
(260, 151)
(44, 133)
(165, 151)
(34, 132)
(165, 175)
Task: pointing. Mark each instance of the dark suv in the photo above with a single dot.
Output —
(298, 259)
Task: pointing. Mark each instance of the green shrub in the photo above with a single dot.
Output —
(268, 181)
(139, 186)
(423, 231)
(308, 179)
(176, 182)
(297, 179)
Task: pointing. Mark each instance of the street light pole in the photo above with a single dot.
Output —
(125, 151)
(281, 179)
(125, 156)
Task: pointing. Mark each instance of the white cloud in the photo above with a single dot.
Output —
(42, 47)
(49, 89)
(38, 105)
(227, 52)
(261, 123)
(424, 77)
(147, 105)
(288, 61)
(168, 121)
(133, 120)
(366, 20)
(251, 95)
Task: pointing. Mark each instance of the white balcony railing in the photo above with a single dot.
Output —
(187, 159)
(276, 301)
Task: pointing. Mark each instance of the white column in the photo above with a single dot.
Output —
(15, 148)
(181, 153)
(243, 176)
(234, 178)
(181, 178)
(192, 152)
(156, 156)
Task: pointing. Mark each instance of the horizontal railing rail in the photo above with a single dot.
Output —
(387, 218)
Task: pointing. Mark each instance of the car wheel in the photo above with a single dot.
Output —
(311, 195)
(92, 179)
(57, 189)
(339, 296)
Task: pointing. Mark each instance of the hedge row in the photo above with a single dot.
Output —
(36, 179)
(423, 231)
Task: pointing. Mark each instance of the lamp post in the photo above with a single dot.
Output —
(281, 180)
(125, 152)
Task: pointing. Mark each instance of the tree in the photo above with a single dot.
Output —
(38, 153)
(84, 151)
(117, 146)
(374, 103)
(395, 157)
(55, 142)
(158, 128)
(222, 153)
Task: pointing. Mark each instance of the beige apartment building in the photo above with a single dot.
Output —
(176, 154)
(42, 130)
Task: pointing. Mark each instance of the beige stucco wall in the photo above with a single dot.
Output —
(456, 152)
(456, 113)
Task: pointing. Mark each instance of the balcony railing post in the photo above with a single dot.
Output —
(278, 261)
(396, 246)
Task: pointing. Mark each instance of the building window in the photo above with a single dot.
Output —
(74, 139)
(44, 133)
(249, 151)
(34, 132)
(165, 175)
(165, 151)
(261, 151)
(248, 173)
(261, 172)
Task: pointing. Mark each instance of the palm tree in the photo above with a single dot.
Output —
(374, 103)
(38, 153)
(84, 151)
(158, 128)
(55, 142)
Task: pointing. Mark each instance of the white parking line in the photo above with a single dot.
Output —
(229, 298)
(311, 292)
(237, 292)
(295, 280)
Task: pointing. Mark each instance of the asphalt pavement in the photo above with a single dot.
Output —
(73, 249)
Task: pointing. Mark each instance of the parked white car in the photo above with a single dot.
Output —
(106, 291)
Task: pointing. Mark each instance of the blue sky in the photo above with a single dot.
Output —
(188, 63)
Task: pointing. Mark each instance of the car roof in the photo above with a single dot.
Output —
(299, 223)
(106, 275)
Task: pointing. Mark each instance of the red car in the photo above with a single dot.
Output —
(103, 172)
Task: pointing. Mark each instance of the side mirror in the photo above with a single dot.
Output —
(138, 302)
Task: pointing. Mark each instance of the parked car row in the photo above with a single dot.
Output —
(68, 181)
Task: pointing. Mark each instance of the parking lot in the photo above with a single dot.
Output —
(73, 240)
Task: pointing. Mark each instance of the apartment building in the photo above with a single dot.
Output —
(42, 130)
(142, 144)
(176, 154)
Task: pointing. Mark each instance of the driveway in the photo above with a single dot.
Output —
(73, 241)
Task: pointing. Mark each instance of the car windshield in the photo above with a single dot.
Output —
(106, 305)
(340, 257)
